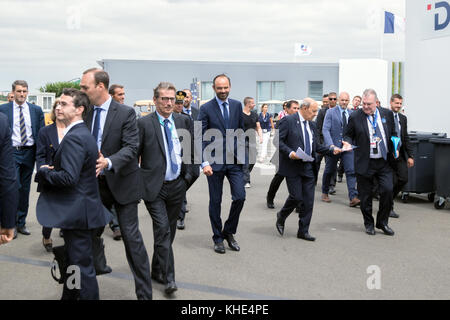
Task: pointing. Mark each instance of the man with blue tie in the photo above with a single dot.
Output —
(371, 128)
(165, 176)
(225, 116)
(334, 124)
(114, 128)
(298, 131)
(25, 121)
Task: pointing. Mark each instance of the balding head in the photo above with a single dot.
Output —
(309, 109)
(344, 99)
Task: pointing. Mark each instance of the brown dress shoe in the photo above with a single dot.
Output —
(325, 198)
(355, 201)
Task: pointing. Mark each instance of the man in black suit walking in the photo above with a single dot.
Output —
(298, 131)
(115, 130)
(370, 129)
(406, 156)
(70, 198)
(165, 176)
(9, 197)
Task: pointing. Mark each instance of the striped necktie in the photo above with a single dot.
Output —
(23, 130)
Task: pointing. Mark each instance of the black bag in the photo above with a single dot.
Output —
(59, 262)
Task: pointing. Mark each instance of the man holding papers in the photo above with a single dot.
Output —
(298, 144)
(372, 129)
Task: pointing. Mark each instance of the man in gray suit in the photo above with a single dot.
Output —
(165, 137)
(114, 128)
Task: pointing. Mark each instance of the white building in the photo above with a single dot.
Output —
(427, 65)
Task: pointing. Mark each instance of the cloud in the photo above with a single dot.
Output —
(49, 40)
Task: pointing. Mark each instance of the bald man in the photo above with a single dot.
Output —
(334, 124)
(298, 131)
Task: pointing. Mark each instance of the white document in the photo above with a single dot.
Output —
(344, 149)
(303, 156)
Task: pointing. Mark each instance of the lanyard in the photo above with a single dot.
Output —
(374, 123)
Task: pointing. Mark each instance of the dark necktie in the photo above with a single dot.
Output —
(225, 115)
(397, 128)
(173, 163)
(381, 144)
(344, 120)
(96, 129)
(307, 142)
(23, 130)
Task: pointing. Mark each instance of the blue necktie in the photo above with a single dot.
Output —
(225, 115)
(173, 163)
(96, 129)
(381, 144)
(307, 143)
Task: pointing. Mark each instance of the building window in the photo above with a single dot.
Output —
(271, 90)
(315, 90)
(207, 92)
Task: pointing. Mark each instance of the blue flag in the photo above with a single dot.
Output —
(396, 141)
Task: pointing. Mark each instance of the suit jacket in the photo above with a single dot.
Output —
(406, 150)
(211, 117)
(332, 127)
(153, 154)
(36, 115)
(357, 132)
(290, 139)
(70, 198)
(319, 121)
(46, 145)
(120, 141)
(194, 113)
(8, 183)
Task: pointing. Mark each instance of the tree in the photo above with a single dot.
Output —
(57, 87)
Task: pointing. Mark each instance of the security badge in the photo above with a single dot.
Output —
(374, 144)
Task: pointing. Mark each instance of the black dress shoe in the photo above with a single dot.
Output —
(332, 191)
(171, 287)
(48, 246)
(15, 233)
(23, 230)
(394, 214)
(232, 243)
(219, 247)
(180, 224)
(280, 224)
(339, 179)
(270, 204)
(388, 231)
(104, 270)
(305, 236)
(370, 230)
(158, 277)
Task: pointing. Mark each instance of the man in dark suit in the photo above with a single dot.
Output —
(298, 131)
(9, 197)
(334, 125)
(370, 129)
(115, 130)
(180, 98)
(70, 198)
(406, 156)
(25, 121)
(292, 107)
(187, 108)
(224, 160)
(165, 176)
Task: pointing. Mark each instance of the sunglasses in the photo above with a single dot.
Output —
(332, 98)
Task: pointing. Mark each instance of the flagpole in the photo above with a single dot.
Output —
(382, 33)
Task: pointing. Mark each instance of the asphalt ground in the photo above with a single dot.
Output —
(343, 263)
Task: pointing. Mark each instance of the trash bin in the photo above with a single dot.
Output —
(421, 175)
(442, 171)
